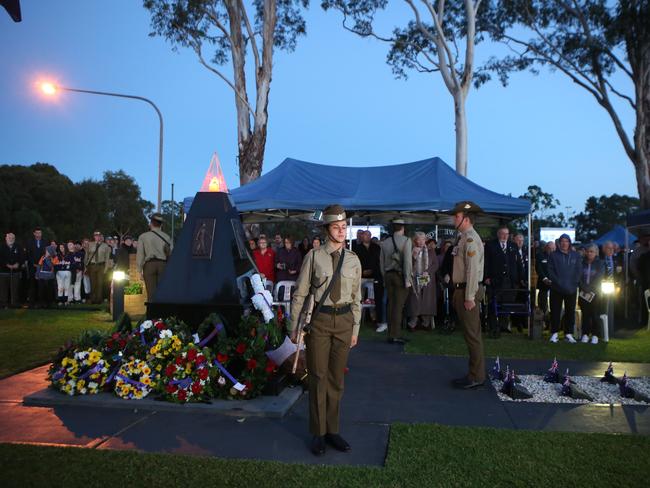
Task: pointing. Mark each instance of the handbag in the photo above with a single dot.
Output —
(42, 274)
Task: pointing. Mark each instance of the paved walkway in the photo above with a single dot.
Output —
(384, 386)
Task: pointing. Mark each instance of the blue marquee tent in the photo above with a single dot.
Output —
(617, 235)
(416, 191)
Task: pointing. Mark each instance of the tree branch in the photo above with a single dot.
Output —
(251, 35)
(197, 48)
(212, 14)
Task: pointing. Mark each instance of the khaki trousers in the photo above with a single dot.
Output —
(471, 321)
(96, 275)
(397, 294)
(328, 346)
(152, 271)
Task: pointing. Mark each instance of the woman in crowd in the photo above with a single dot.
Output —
(264, 258)
(46, 276)
(252, 245)
(304, 246)
(593, 271)
(123, 255)
(287, 261)
(316, 242)
(422, 297)
(64, 274)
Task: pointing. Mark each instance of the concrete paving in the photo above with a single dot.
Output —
(384, 386)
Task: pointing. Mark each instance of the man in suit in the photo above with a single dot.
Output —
(501, 272)
(35, 251)
(521, 253)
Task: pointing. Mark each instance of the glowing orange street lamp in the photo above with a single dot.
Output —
(50, 89)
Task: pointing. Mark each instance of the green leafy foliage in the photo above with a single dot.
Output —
(602, 213)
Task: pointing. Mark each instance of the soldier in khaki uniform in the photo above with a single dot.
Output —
(154, 248)
(468, 290)
(97, 263)
(396, 266)
(334, 330)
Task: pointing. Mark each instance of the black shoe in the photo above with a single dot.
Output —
(337, 442)
(318, 445)
(459, 381)
(467, 384)
(397, 340)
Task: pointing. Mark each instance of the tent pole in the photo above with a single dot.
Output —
(350, 241)
(436, 233)
(626, 261)
(530, 289)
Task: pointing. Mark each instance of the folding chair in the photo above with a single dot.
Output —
(282, 294)
(367, 296)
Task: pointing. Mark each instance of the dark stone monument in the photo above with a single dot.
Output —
(209, 266)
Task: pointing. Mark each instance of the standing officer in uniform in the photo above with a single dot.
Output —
(154, 247)
(97, 262)
(468, 292)
(334, 329)
(396, 265)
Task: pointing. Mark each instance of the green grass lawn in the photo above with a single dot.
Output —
(634, 348)
(419, 455)
(29, 338)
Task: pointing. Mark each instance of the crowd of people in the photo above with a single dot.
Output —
(43, 272)
(409, 275)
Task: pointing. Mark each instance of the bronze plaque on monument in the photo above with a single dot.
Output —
(202, 238)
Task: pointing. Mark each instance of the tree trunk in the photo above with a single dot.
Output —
(460, 118)
(251, 155)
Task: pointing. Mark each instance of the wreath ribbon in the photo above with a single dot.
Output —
(237, 385)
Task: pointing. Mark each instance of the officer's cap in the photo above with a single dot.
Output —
(466, 207)
(333, 213)
(156, 217)
(398, 221)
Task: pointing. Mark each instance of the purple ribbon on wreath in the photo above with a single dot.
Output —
(267, 302)
(218, 327)
(182, 383)
(59, 374)
(130, 381)
(237, 385)
(95, 369)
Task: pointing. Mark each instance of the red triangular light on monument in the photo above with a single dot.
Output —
(214, 180)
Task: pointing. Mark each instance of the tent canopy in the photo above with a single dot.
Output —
(617, 235)
(415, 191)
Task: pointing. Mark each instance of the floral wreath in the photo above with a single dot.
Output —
(134, 380)
(187, 377)
(82, 373)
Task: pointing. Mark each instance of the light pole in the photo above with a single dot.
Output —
(51, 89)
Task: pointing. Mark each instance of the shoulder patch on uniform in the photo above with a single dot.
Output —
(471, 254)
(469, 239)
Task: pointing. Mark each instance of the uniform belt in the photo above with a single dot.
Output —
(155, 260)
(340, 310)
(97, 264)
(460, 286)
(393, 271)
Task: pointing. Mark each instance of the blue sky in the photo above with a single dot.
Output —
(333, 100)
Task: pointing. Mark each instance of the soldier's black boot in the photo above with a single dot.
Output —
(337, 442)
(318, 445)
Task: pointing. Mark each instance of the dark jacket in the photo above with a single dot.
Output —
(541, 266)
(65, 262)
(595, 273)
(122, 259)
(502, 268)
(291, 259)
(565, 271)
(10, 255)
(77, 260)
(34, 253)
(370, 259)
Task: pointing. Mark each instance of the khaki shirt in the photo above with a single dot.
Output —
(319, 281)
(405, 249)
(102, 256)
(150, 246)
(468, 262)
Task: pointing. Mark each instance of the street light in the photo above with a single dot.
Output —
(50, 89)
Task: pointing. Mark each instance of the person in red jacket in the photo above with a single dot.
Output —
(265, 259)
